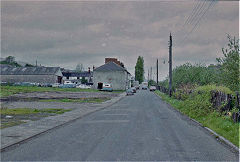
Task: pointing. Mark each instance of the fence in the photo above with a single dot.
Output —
(221, 102)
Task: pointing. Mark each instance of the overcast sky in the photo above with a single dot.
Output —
(67, 33)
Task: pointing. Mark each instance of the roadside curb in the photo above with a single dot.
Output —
(210, 131)
(63, 122)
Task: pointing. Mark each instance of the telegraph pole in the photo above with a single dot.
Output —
(170, 66)
(148, 74)
(151, 74)
(157, 72)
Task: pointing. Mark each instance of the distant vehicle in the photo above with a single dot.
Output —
(107, 87)
(4, 83)
(129, 92)
(144, 87)
(45, 85)
(152, 88)
(68, 82)
(28, 84)
(56, 85)
(136, 84)
(17, 84)
(67, 86)
(83, 86)
(145, 83)
(134, 89)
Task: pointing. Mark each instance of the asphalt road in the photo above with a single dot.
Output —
(139, 127)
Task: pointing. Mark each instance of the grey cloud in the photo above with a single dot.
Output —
(66, 33)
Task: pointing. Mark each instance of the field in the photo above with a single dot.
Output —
(10, 90)
(12, 117)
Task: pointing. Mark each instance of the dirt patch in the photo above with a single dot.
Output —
(58, 95)
(9, 118)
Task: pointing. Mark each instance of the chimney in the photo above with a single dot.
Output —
(89, 70)
(107, 60)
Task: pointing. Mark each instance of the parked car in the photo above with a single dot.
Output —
(4, 83)
(144, 87)
(83, 86)
(68, 82)
(67, 86)
(17, 84)
(56, 85)
(28, 84)
(134, 89)
(136, 84)
(152, 88)
(45, 85)
(129, 92)
(107, 87)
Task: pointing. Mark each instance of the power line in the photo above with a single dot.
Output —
(191, 14)
(198, 8)
(198, 20)
(201, 8)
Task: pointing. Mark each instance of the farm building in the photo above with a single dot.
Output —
(113, 74)
(77, 77)
(37, 74)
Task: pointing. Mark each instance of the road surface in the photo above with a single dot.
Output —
(139, 127)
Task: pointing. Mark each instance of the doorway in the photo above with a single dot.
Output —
(100, 86)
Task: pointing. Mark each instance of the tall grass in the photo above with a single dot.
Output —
(198, 107)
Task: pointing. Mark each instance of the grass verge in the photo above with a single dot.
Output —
(26, 111)
(79, 100)
(10, 90)
(198, 109)
(21, 115)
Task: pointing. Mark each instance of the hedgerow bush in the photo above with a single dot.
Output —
(225, 73)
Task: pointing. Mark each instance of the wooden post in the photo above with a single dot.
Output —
(170, 66)
(157, 73)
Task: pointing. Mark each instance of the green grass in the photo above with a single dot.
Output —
(10, 90)
(81, 100)
(199, 108)
(26, 111)
(208, 88)
(10, 124)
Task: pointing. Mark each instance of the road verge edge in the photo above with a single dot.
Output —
(210, 131)
(17, 135)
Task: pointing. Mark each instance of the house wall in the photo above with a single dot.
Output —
(118, 79)
(29, 78)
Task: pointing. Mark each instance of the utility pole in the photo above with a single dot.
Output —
(148, 74)
(170, 66)
(151, 74)
(36, 62)
(157, 72)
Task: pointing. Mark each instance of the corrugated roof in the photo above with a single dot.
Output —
(76, 74)
(110, 66)
(40, 70)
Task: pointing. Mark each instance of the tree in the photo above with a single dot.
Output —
(10, 59)
(84, 80)
(229, 64)
(139, 69)
(79, 68)
(29, 65)
(151, 83)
